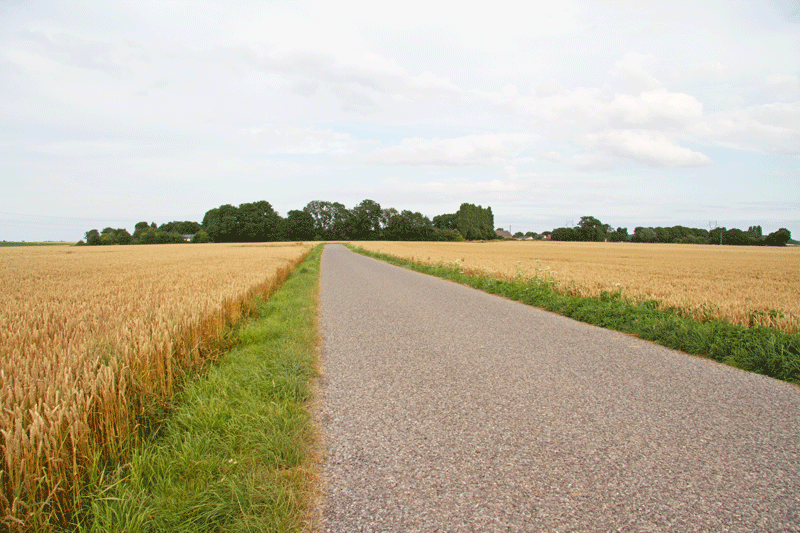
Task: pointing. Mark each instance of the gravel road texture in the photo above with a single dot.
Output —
(443, 408)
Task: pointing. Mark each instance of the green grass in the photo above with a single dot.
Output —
(759, 349)
(237, 453)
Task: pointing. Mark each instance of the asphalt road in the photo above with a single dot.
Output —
(442, 408)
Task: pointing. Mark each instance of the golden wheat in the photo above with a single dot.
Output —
(93, 339)
(742, 285)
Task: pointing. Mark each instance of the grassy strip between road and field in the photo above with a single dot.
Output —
(762, 350)
(238, 451)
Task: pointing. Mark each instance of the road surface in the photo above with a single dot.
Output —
(442, 408)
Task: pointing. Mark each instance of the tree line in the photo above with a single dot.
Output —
(591, 229)
(144, 233)
(319, 220)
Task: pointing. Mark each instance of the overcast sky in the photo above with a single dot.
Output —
(640, 113)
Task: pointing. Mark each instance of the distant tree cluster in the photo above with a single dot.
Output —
(591, 229)
(148, 233)
(331, 221)
(319, 220)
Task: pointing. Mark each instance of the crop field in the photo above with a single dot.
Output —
(93, 342)
(742, 285)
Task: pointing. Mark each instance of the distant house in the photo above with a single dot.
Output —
(503, 233)
(188, 238)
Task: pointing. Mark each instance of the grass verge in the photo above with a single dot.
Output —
(237, 452)
(759, 349)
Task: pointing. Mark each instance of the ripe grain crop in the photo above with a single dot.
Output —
(749, 286)
(94, 341)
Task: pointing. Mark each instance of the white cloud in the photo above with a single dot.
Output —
(491, 149)
(304, 140)
(635, 72)
(653, 148)
(770, 128)
(656, 109)
(428, 83)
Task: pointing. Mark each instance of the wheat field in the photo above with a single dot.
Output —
(93, 340)
(743, 285)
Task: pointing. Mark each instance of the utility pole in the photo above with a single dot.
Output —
(716, 225)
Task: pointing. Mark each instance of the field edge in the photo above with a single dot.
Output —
(239, 451)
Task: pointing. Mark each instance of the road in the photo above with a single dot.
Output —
(442, 408)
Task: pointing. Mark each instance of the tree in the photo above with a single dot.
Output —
(331, 219)
(201, 237)
(220, 223)
(386, 216)
(139, 229)
(121, 236)
(474, 222)
(715, 236)
(186, 227)
(92, 237)
(408, 226)
(445, 222)
(641, 234)
(298, 226)
(736, 237)
(591, 229)
(256, 222)
(777, 238)
(621, 235)
(755, 232)
(565, 234)
(365, 222)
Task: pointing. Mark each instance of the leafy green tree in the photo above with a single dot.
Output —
(341, 222)
(121, 236)
(201, 237)
(662, 235)
(715, 236)
(778, 238)
(565, 234)
(331, 219)
(220, 223)
(591, 229)
(620, 235)
(92, 237)
(408, 226)
(755, 232)
(139, 229)
(475, 222)
(641, 234)
(386, 216)
(298, 226)
(185, 227)
(148, 237)
(257, 222)
(445, 222)
(365, 221)
(736, 237)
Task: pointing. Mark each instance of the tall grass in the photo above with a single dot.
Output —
(237, 453)
(757, 349)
